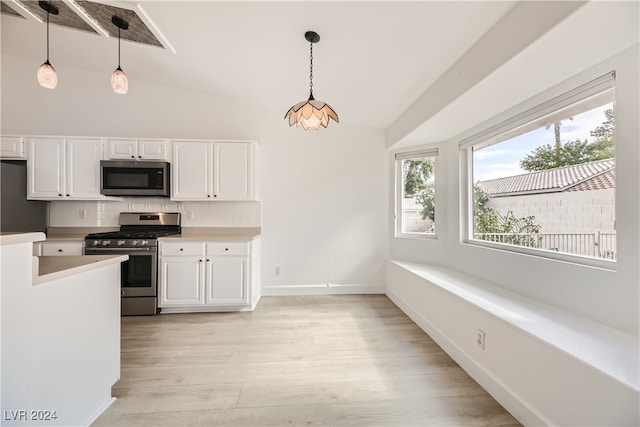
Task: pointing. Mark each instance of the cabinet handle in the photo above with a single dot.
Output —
(59, 194)
(133, 157)
(59, 250)
(226, 249)
(181, 249)
(139, 157)
(67, 195)
(208, 195)
(199, 260)
(215, 195)
(207, 259)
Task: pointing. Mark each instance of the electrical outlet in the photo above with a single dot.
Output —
(480, 339)
(189, 214)
(277, 271)
(83, 213)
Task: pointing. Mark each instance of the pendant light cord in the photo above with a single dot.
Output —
(118, 47)
(311, 71)
(47, 36)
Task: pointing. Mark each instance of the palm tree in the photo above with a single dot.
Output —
(556, 134)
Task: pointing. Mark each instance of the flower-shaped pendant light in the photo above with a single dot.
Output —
(47, 76)
(119, 81)
(311, 113)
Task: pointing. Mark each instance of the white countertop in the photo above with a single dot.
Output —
(15, 238)
(48, 268)
(226, 234)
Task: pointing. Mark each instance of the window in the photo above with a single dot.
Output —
(543, 182)
(415, 190)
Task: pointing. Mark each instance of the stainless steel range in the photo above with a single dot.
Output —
(138, 238)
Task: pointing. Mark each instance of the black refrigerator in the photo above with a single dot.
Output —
(17, 214)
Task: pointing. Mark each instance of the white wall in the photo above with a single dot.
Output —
(609, 297)
(324, 193)
(526, 374)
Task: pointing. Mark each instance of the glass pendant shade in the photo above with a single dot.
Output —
(311, 114)
(119, 82)
(47, 76)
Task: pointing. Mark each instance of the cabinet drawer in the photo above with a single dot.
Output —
(185, 248)
(52, 249)
(236, 248)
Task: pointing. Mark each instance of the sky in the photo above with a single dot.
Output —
(503, 159)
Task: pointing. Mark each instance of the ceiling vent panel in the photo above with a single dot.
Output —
(138, 30)
(66, 18)
(5, 9)
(92, 17)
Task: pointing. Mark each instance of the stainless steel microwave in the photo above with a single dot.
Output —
(134, 178)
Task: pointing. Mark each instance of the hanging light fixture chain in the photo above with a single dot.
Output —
(311, 69)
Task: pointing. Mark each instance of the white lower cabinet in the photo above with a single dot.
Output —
(206, 276)
(182, 281)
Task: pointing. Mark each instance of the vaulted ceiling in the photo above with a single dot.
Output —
(375, 61)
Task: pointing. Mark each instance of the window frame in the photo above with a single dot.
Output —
(399, 157)
(507, 129)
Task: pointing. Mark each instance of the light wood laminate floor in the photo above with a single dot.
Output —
(351, 360)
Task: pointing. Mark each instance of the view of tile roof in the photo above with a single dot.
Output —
(595, 175)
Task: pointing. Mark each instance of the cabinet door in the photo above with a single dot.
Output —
(83, 168)
(122, 149)
(45, 169)
(191, 174)
(11, 147)
(233, 171)
(181, 281)
(152, 149)
(226, 282)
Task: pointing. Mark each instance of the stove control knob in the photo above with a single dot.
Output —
(105, 243)
(145, 243)
(120, 242)
(96, 243)
(135, 242)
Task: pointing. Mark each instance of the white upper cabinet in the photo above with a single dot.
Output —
(64, 169)
(12, 147)
(83, 168)
(45, 168)
(136, 149)
(206, 170)
(192, 171)
(233, 171)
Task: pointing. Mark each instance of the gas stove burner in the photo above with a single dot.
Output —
(132, 235)
(137, 230)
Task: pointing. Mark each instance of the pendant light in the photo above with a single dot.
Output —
(47, 76)
(119, 81)
(311, 113)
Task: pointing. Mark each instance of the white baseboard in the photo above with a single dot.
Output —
(322, 289)
(517, 406)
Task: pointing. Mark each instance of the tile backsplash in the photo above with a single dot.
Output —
(194, 214)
